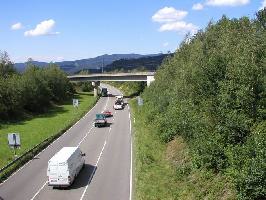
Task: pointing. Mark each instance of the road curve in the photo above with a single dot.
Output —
(107, 171)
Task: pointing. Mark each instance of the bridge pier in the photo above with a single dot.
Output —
(150, 78)
(95, 84)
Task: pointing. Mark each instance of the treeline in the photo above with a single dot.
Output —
(32, 91)
(149, 63)
(212, 93)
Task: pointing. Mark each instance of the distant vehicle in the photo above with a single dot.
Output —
(64, 166)
(107, 113)
(104, 92)
(100, 120)
(119, 105)
(120, 98)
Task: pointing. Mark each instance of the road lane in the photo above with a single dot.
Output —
(114, 178)
(107, 161)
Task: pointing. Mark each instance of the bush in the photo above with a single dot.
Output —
(248, 165)
(212, 93)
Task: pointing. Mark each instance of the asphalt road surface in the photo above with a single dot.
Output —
(107, 171)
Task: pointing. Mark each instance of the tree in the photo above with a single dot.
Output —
(6, 66)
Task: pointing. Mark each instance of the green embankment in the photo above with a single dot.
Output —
(35, 130)
(165, 171)
(129, 88)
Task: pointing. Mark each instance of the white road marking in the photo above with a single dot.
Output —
(105, 105)
(85, 136)
(45, 149)
(22, 167)
(131, 160)
(39, 190)
(82, 196)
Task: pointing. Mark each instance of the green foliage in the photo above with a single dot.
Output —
(33, 91)
(83, 86)
(86, 87)
(61, 88)
(169, 168)
(212, 93)
(34, 130)
(37, 92)
(130, 88)
(6, 66)
(248, 165)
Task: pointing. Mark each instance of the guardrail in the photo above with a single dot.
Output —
(7, 170)
(11, 167)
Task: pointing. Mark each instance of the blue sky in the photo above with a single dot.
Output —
(55, 30)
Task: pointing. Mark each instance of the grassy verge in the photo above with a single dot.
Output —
(165, 171)
(35, 130)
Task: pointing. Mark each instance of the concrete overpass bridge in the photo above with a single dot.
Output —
(96, 78)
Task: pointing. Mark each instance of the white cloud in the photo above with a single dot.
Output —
(169, 14)
(263, 4)
(226, 2)
(172, 20)
(197, 6)
(179, 26)
(43, 28)
(165, 44)
(16, 26)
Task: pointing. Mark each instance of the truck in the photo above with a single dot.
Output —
(64, 166)
(100, 120)
(104, 92)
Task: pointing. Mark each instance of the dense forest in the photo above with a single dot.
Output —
(33, 91)
(212, 93)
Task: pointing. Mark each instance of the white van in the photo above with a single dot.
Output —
(64, 166)
(119, 97)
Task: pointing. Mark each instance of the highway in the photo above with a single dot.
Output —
(107, 171)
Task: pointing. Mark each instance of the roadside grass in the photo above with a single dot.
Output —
(165, 171)
(37, 128)
(154, 177)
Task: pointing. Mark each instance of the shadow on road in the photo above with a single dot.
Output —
(84, 177)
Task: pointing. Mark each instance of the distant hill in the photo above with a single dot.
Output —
(147, 63)
(91, 64)
(21, 66)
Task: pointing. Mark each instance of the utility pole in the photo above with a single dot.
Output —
(102, 64)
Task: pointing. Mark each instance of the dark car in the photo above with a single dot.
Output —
(100, 120)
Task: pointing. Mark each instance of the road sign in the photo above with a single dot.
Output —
(75, 102)
(13, 140)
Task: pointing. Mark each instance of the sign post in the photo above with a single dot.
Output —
(14, 141)
(75, 103)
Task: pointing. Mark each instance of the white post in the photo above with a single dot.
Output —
(95, 87)
(150, 78)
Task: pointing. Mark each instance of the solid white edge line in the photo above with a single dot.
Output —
(99, 157)
(131, 160)
(46, 147)
(39, 190)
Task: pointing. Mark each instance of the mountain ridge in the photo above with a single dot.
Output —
(92, 64)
